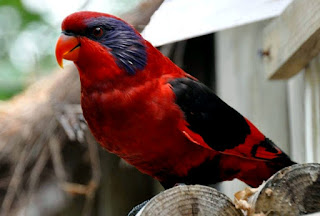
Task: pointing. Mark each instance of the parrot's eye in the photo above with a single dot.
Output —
(97, 32)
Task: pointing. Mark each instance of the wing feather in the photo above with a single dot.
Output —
(212, 124)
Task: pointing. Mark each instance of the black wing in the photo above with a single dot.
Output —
(220, 126)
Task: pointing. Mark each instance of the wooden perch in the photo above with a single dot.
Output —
(292, 40)
(190, 200)
(294, 190)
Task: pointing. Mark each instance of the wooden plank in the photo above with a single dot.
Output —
(312, 111)
(296, 110)
(292, 39)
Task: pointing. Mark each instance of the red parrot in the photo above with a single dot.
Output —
(142, 107)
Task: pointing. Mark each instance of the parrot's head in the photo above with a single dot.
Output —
(101, 45)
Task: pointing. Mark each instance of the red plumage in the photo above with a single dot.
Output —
(142, 107)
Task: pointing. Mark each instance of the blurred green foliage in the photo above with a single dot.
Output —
(26, 16)
(12, 80)
(28, 33)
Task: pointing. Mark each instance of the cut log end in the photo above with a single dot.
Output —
(190, 200)
(294, 190)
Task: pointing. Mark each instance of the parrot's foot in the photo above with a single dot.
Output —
(137, 208)
(72, 121)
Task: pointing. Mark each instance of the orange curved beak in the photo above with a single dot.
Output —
(68, 47)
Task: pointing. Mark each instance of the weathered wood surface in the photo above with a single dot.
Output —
(296, 111)
(312, 110)
(190, 200)
(294, 190)
(292, 39)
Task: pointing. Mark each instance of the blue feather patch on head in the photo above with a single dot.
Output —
(125, 45)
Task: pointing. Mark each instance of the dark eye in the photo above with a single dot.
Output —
(97, 32)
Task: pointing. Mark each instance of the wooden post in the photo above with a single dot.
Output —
(296, 111)
(312, 110)
(292, 40)
(190, 200)
(292, 191)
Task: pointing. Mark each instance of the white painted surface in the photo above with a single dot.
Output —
(177, 20)
(296, 109)
(312, 111)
